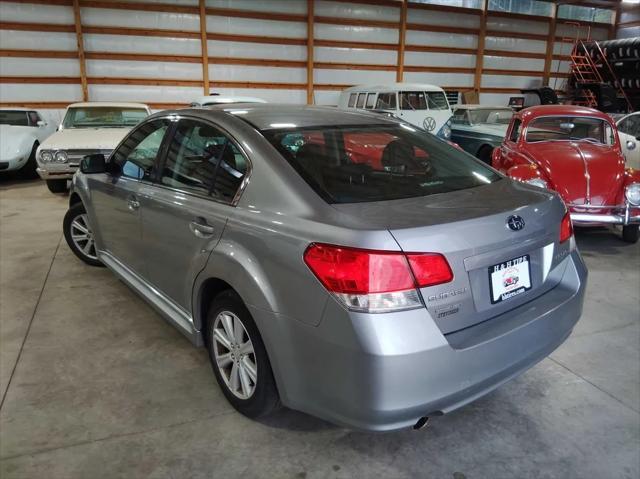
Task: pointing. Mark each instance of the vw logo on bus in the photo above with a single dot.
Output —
(429, 123)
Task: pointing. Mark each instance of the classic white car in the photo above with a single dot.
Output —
(629, 133)
(21, 132)
(217, 99)
(87, 128)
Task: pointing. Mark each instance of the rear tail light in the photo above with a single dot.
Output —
(566, 228)
(376, 281)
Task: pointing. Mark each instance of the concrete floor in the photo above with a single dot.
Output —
(95, 384)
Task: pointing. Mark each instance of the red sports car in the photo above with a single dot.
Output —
(575, 151)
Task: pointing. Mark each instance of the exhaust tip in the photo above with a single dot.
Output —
(422, 423)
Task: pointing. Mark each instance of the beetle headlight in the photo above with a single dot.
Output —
(46, 156)
(60, 156)
(539, 182)
(632, 193)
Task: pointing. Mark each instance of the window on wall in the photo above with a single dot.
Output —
(588, 14)
(453, 3)
(532, 7)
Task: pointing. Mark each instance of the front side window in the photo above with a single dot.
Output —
(352, 100)
(103, 117)
(492, 116)
(137, 154)
(361, 97)
(437, 100)
(14, 117)
(386, 101)
(34, 118)
(572, 128)
(203, 160)
(413, 100)
(354, 164)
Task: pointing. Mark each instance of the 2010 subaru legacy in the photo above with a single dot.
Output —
(344, 264)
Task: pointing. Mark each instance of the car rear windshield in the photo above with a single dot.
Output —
(353, 164)
(103, 117)
(15, 118)
(575, 128)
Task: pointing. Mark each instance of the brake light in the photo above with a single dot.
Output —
(429, 269)
(566, 228)
(375, 281)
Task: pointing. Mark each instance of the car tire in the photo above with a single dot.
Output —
(28, 170)
(244, 374)
(57, 186)
(631, 233)
(484, 154)
(79, 235)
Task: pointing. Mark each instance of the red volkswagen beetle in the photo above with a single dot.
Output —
(575, 151)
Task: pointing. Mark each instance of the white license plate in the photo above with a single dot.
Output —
(510, 279)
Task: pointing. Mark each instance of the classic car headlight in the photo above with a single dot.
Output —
(633, 194)
(539, 182)
(445, 131)
(46, 156)
(61, 156)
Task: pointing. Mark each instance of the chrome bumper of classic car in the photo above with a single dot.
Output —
(615, 215)
(57, 172)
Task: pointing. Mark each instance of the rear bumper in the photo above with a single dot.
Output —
(612, 215)
(384, 372)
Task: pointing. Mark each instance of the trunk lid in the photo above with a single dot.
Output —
(469, 227)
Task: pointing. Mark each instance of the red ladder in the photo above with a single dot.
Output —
(585, 72)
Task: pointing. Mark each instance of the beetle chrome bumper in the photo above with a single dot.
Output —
(613, 215)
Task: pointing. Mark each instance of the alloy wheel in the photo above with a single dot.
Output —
(234, 355)
(82, 236)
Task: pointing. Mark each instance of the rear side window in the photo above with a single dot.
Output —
(386, 101)
(352, 100)
(355, 164)
(371, 100)
(515, 131)
(203, 160)
(361, 98)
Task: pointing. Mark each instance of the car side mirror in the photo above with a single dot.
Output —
(41, 123)
(95, 163)
(631, 145)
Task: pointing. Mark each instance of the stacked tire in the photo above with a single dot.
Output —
(624, 57)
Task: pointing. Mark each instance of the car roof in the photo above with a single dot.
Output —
(560, 110)
(265, 116)
(215, 99)
(108, 103)
(476, 106)
(16, 108)
(390, 87)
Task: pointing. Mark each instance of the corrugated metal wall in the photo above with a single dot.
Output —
(151, 51)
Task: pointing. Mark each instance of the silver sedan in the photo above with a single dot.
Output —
(344, 264)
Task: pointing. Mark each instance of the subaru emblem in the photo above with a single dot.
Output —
(515, 222)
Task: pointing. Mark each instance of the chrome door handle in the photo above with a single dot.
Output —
(133, 203)
(201, 229)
